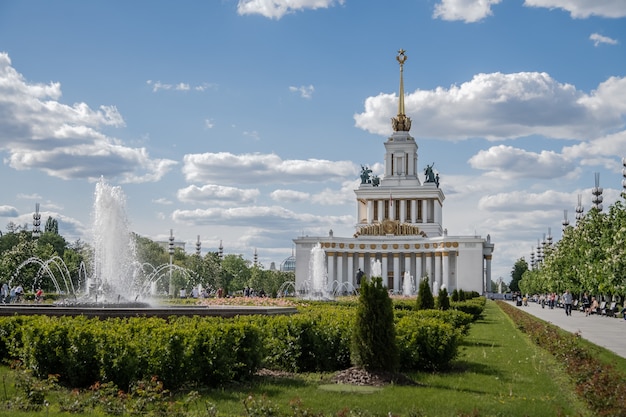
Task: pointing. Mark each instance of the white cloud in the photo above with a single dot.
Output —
(252, 134)
(275, 9)
(29, 196)
(500, 106)
(599, 39)
(268, 216)
(290, 196)
(159, 86)
(581, 9)
(509, 162)
(228, 168)
(8, 211)
(63, 141)
(217, 194)
(162, 201)
(306, 91)
(469, 11)
(326, 197)
(523, 201)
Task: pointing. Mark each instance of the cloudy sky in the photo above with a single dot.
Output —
(247, 121)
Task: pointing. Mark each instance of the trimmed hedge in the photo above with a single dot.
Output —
(210, 351)
(427, 344)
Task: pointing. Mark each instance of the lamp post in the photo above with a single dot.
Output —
(171, 251)
(36, 222)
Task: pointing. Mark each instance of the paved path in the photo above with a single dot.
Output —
(607, 332)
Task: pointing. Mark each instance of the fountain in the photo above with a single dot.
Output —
(114, 250)
(407, 285)
(316, 286)
(376, 268)
(119, 286)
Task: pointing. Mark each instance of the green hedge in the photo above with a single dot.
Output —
(426, 343)
(210, 351)
(82, 351)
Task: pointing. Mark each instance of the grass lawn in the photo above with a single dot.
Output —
(499, 372)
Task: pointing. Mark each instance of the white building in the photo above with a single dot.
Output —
(400, 224)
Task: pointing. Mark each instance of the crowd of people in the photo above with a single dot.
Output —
(14, 294)
(585, 303)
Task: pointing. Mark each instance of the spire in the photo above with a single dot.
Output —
(401, 123)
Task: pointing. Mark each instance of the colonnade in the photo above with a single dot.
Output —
(438, 266)
(405, 210)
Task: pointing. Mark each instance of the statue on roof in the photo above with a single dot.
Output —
(365, 175)
(430, 174)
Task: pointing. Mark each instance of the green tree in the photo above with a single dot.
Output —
(425, 299)
(235, 273)
(53, 239)
(443, 301)
(52, 226)
(516, 274)
(374, 345)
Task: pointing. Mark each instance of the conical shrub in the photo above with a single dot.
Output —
(374, 345)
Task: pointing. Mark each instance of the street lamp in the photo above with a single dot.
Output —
(36, 222)
(171, 251)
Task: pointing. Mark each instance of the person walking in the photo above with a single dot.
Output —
(567, 302)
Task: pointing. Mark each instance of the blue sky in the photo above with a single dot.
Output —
(247, 121)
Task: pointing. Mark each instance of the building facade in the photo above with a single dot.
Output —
(400, 225)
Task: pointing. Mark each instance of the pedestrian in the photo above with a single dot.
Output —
(586, 304)
(567, 302)
(593, 308)
(4, 293)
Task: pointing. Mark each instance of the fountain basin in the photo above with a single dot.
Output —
(104, 311)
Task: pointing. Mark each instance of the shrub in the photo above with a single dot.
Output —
(474, 307)
(427, 344)
(425, 298)
(374, 341)
(443, 302)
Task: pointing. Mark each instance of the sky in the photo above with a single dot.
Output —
(246, 122)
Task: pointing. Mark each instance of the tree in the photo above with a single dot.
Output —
(443, 301)
(374, 345)
(52, 226)
(235, 273)
(425, 300)
(516, 274)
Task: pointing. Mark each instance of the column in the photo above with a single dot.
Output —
(402, 210)
(424, 211)
(361, 262)
(330, 268)
(429, 266)
(413, 211)
(351, 277)
(418, 269)
(487, 280)
(384, 269)
(381, 210)
(391, 208)
(370, 211)
(396, 273)
(407, 268)
(437, 279)
(339, 274)
(407, 263)
(445, 270)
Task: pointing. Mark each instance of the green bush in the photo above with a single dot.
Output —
(443, 302)
(474, 307)
(426, 344)
(425, 298)
(374, 343)
(318, 340)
